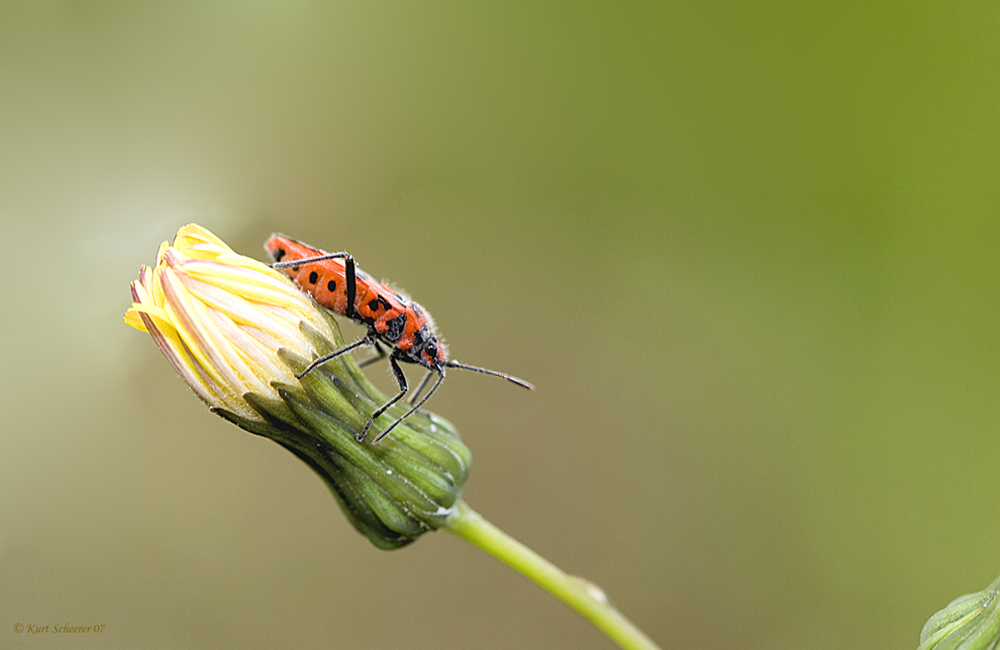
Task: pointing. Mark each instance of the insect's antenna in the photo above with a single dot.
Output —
(412, 410)
(514, 380)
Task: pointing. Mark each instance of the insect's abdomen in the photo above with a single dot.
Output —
(326, 281)
(375, 304)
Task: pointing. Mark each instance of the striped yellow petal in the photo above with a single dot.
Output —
(220, 319)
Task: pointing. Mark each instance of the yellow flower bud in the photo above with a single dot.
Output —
(220, 319)
(240, 333)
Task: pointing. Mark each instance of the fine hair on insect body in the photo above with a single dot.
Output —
(392, 319)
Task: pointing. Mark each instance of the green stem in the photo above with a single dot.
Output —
(579, 594)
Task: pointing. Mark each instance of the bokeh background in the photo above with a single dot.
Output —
(749, 254)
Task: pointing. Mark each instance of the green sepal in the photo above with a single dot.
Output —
(356, 509)
(362, 457)
(263, 429)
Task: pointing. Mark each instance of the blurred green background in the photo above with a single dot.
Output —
(749, 254)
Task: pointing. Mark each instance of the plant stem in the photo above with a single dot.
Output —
(583, 596)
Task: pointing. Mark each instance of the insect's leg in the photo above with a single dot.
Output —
(349, 268)
(412, 410)
(310, 260)
(352, 288)
(420, 388)
(380, 354)
(367, 339)
(401, 379)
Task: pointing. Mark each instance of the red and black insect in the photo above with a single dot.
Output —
(339, 285)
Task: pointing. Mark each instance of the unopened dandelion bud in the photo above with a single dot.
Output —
(239, 333)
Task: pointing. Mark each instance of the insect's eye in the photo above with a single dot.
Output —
(432, 350)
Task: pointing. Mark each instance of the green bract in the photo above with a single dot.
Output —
(971, 622)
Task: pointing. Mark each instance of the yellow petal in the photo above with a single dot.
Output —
(133, 319)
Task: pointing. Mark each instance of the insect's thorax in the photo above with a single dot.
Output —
(424, 348)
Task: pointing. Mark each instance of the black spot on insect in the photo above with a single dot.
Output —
(278, 254)
(385, 303)
(331, 285)
(373, 304)
(313, 277)
(418, 338)
(395, 327)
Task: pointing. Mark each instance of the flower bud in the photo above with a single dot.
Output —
(971, 622)
(239, 332)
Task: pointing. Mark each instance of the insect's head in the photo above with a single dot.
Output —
(428, 349)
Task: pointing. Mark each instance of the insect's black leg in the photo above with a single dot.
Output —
(401, 379)
(352, 287)
(420, 388)
(349, 268)
(412, 410)
(366, 340)
(380, 354)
